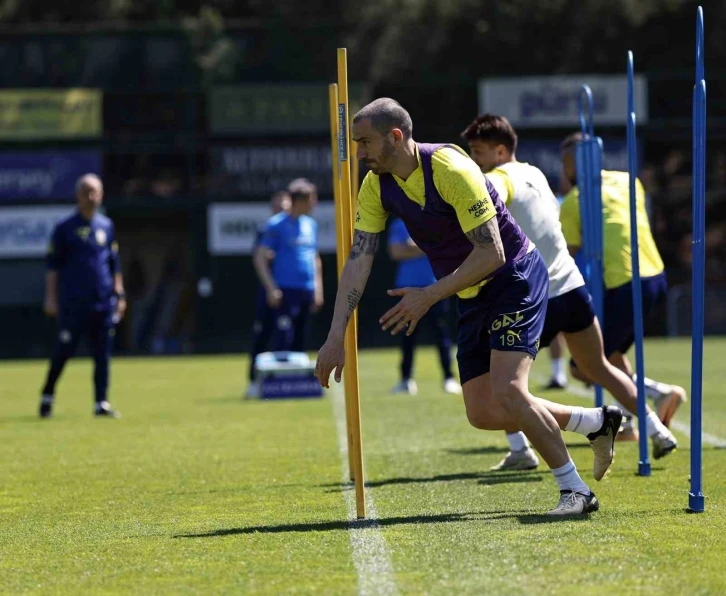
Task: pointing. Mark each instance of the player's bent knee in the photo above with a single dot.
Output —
(509, 394)
(482, 420)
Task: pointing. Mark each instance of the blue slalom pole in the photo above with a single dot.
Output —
(643, 461)
(696, 500)
(588, 159)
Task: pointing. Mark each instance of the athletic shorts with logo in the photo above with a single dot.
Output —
(507, 315)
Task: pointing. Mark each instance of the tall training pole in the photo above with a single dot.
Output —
(588, 159)
(339, 241)
(643, 461)
(696, 500)
(351, 334)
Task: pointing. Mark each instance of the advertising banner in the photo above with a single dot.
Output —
(232, 227)
(43, 175)
(27, 114)
(25, 231)
(552, 101)
(283, 109)
(262, 170)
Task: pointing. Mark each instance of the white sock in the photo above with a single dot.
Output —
(558, 369)
(517, 441)
(654, 425)
(654, 389)
(568, 478)
(585, 420)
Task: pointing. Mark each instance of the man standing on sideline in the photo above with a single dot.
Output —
(414, 270)
(264, 319)
(618, 332)
(85, 291)
(524, 189)
(293, 281)
(477, 251)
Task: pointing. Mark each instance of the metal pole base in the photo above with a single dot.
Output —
(696, 503)
(643, 468)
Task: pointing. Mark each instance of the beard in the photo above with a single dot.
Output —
(386, 160)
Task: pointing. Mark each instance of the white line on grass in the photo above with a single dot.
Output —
(370, 554)
(681, 427)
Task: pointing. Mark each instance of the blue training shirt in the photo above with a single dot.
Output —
(85, 255)
(295, 242)
(411, 273)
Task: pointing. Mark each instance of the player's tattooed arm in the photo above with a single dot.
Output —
(364, 243)
(353, 280)
(486, 234)
(354, 297)
(487, 256)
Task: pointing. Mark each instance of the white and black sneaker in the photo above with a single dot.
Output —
(574, 503)
(603, 441)
(663, 444)
(104, 409)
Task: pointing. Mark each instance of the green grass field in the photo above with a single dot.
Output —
(198, 491)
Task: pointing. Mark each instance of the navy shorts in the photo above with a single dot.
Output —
(507, 315)
(618, 333)
(569, 313)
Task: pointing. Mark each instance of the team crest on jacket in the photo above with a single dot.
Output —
(101, 237)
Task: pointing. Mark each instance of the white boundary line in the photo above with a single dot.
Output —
(682, 427)
(370, 554)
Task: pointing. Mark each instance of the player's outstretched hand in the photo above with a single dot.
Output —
(415, 303)
(330, 357)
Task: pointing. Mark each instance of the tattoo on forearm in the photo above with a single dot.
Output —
(484, 234)
(354, 297)
(364, 243)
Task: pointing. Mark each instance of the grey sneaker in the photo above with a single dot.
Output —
(408, 387)
(603, 441)
(524, 459)
(572, 503)
(663, 444)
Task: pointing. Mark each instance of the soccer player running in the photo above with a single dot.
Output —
(294, 283)
(266, 304)
(526, 192)
(478, 252)
(618, 333)
(84, 289)
(414, 270)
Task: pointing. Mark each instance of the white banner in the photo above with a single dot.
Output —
(552, 101)
(25, 231)
(232, 227)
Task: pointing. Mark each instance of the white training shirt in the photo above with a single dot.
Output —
(530, 200)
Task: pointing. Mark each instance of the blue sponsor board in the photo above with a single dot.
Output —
(291, 386)
(44, 175)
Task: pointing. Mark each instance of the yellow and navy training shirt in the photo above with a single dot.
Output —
(616, 229)
(457, 179)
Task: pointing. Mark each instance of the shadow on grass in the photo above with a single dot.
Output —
(27, 418)
(360, 524)
(478, 450)
(539, 518)
(482, 477)
(493, 449)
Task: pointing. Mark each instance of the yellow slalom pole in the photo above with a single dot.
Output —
(340, 242)
(351, 334)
